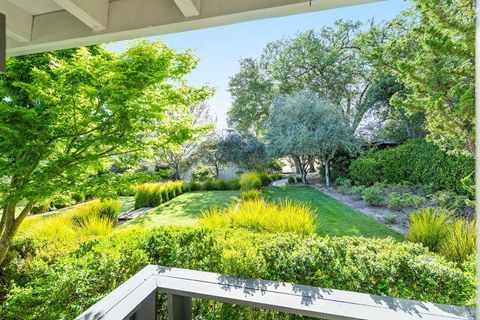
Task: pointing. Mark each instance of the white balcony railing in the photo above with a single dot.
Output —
(136, 299)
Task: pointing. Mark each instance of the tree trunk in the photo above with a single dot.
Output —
(327, 174)
(304, 176)
(9, 226)
(217, 172)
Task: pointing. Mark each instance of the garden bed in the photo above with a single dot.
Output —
(377, 213)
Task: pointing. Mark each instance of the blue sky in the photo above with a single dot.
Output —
(220, 48)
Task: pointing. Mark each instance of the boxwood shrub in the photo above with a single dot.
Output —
(418, 162)
(72, 283)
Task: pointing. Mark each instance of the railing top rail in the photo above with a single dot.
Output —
(285, 297)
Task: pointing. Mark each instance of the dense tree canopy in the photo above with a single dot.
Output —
(244, 150)
(305, 127)
(197, 122)
(431, 49)
(326, 62)
(66, 115)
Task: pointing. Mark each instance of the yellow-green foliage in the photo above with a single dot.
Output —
(259, 215)
(72, 283)
(459, 242)
(437, 229)
(94, 226)
(93, 218)
(428, 226)
(154, 194)
(251, 195)
(108, 209)
(250, 180)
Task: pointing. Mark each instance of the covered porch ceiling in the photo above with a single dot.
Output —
(42, 25)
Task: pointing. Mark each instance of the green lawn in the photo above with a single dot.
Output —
(334, 217)
(184, 209)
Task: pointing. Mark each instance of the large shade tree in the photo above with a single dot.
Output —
(325, 62)
(64, 116)
(304, 126)
(193, 124)
(430, 49)
(244, 150)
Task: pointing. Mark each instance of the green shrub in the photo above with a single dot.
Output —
(291, 180)
(194, 186)
(344, 185)
(249, 181)
(208, 185)
(41, 207)
(390, 219)
(298, 179)
(276, 176)
(78, 197)
(341, 181)
(450, 201)
(233, 184)
(251, 195)
(428, 226)
(62, 201)
(221, 184)
(459, 242)
(74, 282)
(357, 191)
(203, 173)
(398, 201)
(265, 178)
(394, 201)
(373, 196)
(259, 215)
(418, 162)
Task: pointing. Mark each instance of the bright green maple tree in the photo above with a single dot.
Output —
(66, 115)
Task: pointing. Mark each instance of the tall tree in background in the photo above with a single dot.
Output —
(191, 123)
(252, 94)
(211, 153)
(431, 50)
(66, 115)
(326, 63)
(244, 150)
(303, 126)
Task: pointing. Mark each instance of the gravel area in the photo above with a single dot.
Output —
(378, 213)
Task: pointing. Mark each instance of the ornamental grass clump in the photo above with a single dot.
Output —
(439, 230)
(94, 218)
(262, 216)
(428, 226)
(249, 181)
(154, 194)
(459, 241)
(251, 195)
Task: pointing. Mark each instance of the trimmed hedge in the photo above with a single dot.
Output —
(418, 162)
(74, 282)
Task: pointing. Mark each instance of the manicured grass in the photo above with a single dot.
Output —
(334, 217)
(184, 209)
